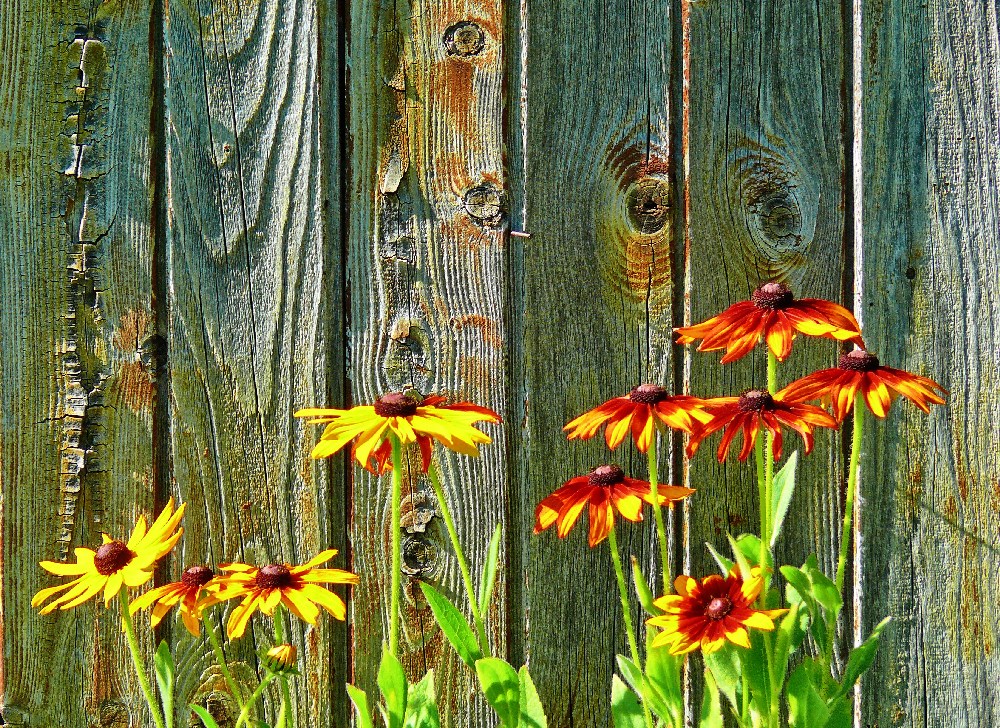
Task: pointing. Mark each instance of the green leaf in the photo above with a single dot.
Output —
(726, 667)
(861, 658)
(392, 683)
(360, 700)
(643, 687)
(783, 487)
(453, 624)
(421, 706)
(790, 636)
(841, 714)
(724, 564)
(823, 589)
(163, 666)
(711, 706)
(532, 714)
(741, 558)
(206, 718)
(806, 707)
(748, 544)
(663, 672)
(489, 577)
(643, 591)
(625, 709)
(502, 689)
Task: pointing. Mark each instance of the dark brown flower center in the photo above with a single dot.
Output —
(606, 475)
(112, 557)
(197, 576)
(396, 404)
(275, 576)
(756, 400)
(859, 360)
(773, 296)
(648, 394)
(718, 608)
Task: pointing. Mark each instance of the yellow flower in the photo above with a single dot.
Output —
(192, 593)
(114, 564)
(281, 659)
(297, 587)
(409, 418)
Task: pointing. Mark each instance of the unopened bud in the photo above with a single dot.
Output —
(281, 659)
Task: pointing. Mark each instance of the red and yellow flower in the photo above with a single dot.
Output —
(709, 613)
(605, 490)
(753, 411)
(775, 315)
(191, 595)
(637, 413)
(405, 415)
(860, 372)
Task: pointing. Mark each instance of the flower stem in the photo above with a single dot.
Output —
(254, 696)
(284, 716)
(140, 668)
(661, 531)
(220, 657)
(758, 450)
(772, 387)
(463, 565)
(397, 564)
(852, 484)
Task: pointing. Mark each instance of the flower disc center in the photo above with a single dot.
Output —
(112, 557)
(859, 360)
(197, 576)
(606, 475)
(756, 400)
(772, 295)
(396, 404)
(648, 394)
(718, 608)
(275, 576)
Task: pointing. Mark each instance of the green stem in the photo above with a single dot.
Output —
(661, 531)
(284, 716)
(852, 483)
(772, 387)
(254, 696)
(220, 658)
(140, 667)
(463, 565)
(397, 496)
(758, 450)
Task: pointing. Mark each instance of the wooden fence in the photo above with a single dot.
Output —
(214, 212)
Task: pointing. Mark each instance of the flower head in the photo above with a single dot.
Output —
(191, 594)
(638, 412)
(114, 564)
(774, 314)
(861, 372)
(606, 490)
(297, 587)
(706, 614)
(408, 417)
(281, 659)
(753, 410)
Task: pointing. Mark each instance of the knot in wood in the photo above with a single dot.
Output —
(419, 555)
(464, 39)
(485, 205)
(153, 353)
(606, 475)
(648, 204)
(113, 557)
(859, 360)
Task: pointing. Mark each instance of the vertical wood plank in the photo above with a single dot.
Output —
(427, 278)
(254, 305)
(76, 392)
(767, 201)
(931, 294)
(594, 313)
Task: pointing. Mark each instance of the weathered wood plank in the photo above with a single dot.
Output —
(594, 312)
(77, 396)
(254, 304)
(931, 296)
(767, 200)
(427, 276)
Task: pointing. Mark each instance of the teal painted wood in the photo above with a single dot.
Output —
(76, 397)
(931, 509)
(593, 312)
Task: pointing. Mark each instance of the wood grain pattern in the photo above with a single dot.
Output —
(427, 277)
(254, 306)
(931, 510)
(595, 311)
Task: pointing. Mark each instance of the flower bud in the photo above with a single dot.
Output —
(281, 659)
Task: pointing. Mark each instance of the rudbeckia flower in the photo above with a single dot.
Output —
(638, 412)
(405, 415)
(297, 587)
(192, 593)
(114, 564)
(708, 613)
(606, 490)
(774, 314)
(861, 372)
(281, 659)
(749, 413)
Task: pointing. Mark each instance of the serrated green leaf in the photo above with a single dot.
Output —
(643, 591)
(724, 564)
(421, 705)
(502, 689)
(163, 667)
(206, 718)
(711, 705)
(532, 714)
(392, 683)
(453, 624)
(783, 487)
(489, 576)
(806, 707)
(360, 700)
(625, 709)
(861, 658)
